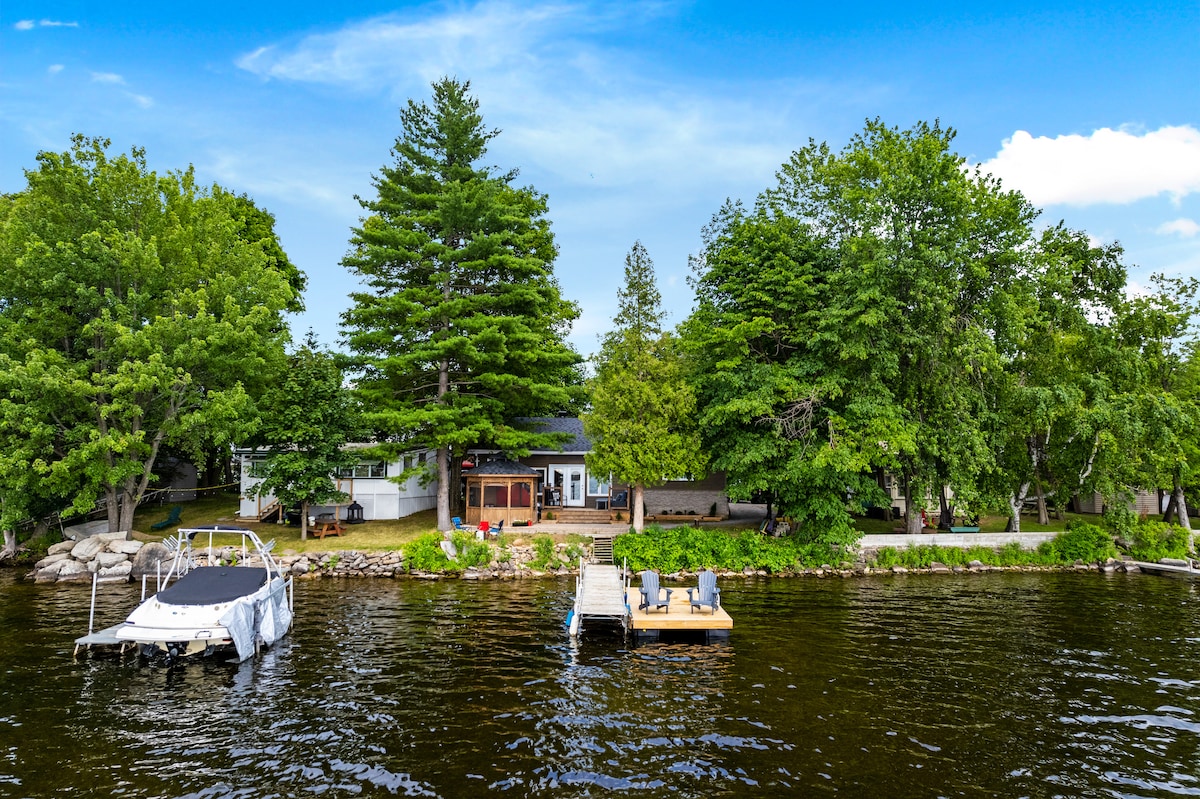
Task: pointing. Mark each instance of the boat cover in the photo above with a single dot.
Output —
(266, 614)
(213, 585)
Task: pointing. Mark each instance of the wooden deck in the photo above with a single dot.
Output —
(678, 615)
(602, 594)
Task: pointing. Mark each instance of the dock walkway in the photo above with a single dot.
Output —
(599, 595)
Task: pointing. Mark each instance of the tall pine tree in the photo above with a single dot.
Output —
(462, 326)
(641, 419)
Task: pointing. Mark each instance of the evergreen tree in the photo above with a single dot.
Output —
(641, 422)
(462, 328)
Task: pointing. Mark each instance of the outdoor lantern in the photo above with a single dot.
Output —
(354, 513)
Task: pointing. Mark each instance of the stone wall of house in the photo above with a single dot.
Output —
(690, 498)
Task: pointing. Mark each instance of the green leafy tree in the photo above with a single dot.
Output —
(1159, 331)
(642, 418)
(308, 418)
(463, 327)
(862, 342)
(134, 316)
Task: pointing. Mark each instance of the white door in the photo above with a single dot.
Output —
(574, 496)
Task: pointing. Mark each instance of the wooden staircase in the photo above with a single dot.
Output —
(602, 550)
(579, 516)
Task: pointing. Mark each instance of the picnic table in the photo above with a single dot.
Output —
(327, 525)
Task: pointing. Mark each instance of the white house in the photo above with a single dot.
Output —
(371, 484)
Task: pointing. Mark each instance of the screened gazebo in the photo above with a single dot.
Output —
(501, 491)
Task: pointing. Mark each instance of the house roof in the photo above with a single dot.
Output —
(503, 467)
(572, 425)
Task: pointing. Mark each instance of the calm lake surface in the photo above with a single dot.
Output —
(1003, 685)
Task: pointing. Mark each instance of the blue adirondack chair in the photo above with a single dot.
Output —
(706, 594)
(651, 593)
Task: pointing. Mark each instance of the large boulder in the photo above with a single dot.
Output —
(147, 559)
(61, 546)
(106, 560)
(124, 547)
(52, 559)
(108, 538)
(88, 548)
(73, 572)
(118, 572)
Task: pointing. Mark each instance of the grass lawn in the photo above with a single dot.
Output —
(372, 536)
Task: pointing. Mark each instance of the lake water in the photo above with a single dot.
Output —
(1004, 685)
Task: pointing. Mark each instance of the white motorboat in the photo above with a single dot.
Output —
(215, 599)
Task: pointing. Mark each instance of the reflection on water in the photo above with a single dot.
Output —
(994, 685)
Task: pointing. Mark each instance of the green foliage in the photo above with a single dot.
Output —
(1153, 540)
(641, 420)
(139, 315)
(1081, 542)
(424, 554)
(692, 548)
(544, 554)
(1085, 542)
(461, 327)
(308, 418)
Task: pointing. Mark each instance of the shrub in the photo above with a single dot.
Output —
(1152, 540)
(1082, 541)
(425, 554)
(543, 554)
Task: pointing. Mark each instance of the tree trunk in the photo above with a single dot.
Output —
(945, 511)
(304, 520)
(1015, 502)
(912, 513)
(443, 489)
(1169, 513)
(1180, 505)
(1043, 516)
(639, 509)
(10, 545)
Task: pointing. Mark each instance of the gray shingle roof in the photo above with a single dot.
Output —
(504, 467)
(572, 425)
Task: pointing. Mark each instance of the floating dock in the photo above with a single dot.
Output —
(603, 594)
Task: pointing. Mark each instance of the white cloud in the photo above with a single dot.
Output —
(29, 24)
(141, 99)
(107, 77)
(1186, 228)
(54, 69)
(1106, 166)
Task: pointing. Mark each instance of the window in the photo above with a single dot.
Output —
(495, 496)
(520, 495)
(597, 487)
(365, 469)
(473, 496)
(254, 465)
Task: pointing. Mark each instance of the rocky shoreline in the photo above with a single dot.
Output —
(114, 557)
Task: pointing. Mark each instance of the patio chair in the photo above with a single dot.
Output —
(651, 593)
(171, 521)
(706, 594)
(458, 525)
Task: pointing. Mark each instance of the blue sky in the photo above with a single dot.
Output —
(637, 119)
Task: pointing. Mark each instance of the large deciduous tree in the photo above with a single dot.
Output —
(641, 424)
(845, 325)
(462, 326)
(135, 313)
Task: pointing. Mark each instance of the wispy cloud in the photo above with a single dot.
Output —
(140, 99)
(569, 104)
(29, 24)
(1185, 228)
(107, 77)
(1107, 166)
(54, 69)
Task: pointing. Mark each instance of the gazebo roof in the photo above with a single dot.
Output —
(503, 467)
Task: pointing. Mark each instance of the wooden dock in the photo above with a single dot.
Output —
(603, 593)
(678, 616)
